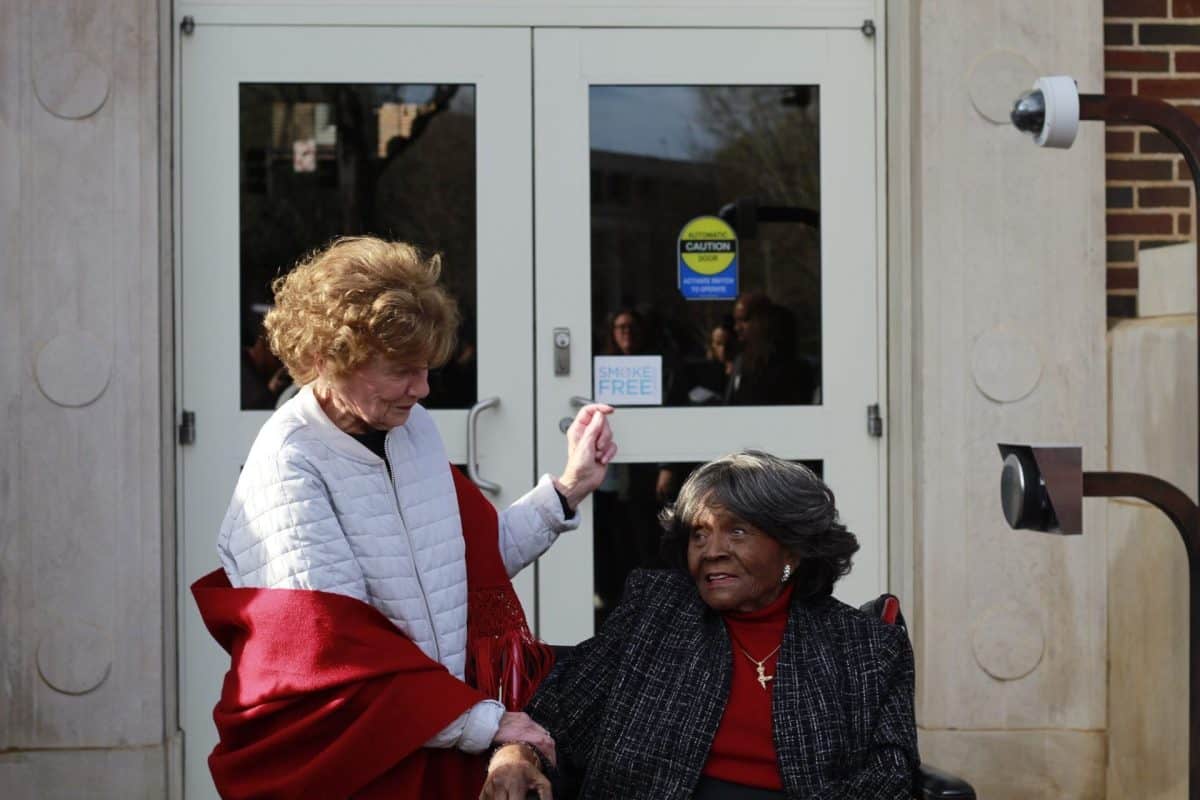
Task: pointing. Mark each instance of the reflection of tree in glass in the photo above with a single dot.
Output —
(769, 136)
(767, 146)
(426, 195)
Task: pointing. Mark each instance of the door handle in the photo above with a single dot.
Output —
(473, 445)
(576, 402)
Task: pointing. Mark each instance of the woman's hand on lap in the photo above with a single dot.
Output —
(512, 774)
(590, 447)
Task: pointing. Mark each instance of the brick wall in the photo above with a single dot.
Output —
(1152, 49)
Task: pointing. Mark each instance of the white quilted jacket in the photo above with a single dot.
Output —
(315, 509)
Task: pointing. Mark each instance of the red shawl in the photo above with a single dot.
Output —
(326, 698)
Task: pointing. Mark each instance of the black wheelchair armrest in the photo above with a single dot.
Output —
(933, 784)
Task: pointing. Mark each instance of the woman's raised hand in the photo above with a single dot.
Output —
(590, 447)
(512, 774)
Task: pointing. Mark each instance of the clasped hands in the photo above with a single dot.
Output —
(515, 769)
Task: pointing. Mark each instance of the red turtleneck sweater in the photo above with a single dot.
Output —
(743, 751)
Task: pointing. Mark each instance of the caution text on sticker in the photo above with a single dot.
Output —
(707, 245)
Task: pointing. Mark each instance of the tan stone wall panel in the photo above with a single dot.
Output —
(1153, 397)
(1153, 401)
(17, 677)
(131, 774)
(1022, 764)
(1166, 280)
(1148, 628)
(1010, 347)
(81, 612)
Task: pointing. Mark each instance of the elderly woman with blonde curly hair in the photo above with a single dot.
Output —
(376, 640)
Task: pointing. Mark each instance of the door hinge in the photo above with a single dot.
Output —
(187, 427)
(187, 26)
(874, 421)
(868, 28)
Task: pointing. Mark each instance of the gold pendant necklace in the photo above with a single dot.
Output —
(763, 677)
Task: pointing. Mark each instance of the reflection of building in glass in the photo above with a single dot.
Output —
(760, 151)
(637, 205)
(396, 120)
(768, 342)
(325, 160)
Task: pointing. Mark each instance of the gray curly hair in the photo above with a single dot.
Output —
(787, 501)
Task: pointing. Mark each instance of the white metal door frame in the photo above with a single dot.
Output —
(566, 63)
(810, 14)
(214, 61)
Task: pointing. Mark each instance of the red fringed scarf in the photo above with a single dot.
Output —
(326, 698)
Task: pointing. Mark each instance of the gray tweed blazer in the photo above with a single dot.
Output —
(634, 709)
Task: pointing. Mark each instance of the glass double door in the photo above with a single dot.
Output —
(681, 223)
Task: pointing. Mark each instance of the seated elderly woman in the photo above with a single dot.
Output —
(736, 675)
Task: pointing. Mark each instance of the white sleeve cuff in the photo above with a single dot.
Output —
(483, 720)
(474, 729)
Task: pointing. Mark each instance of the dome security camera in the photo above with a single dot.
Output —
(1050, 111)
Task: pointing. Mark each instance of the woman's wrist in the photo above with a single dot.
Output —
(569, 488)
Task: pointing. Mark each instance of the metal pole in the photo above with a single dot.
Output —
(1184, 133)
(1180, 509)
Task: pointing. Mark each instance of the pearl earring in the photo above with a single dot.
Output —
(787, 573)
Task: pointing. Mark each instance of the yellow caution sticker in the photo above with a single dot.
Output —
(708, 268)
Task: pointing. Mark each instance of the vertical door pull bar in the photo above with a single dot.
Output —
(473, 445)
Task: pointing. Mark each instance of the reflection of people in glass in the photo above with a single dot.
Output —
(632, 333)
(712, 375)
(735, 673)
(455, 384)
(721, 346)
(382, 675)
(263, 375)
(627, 334)
(766, 370)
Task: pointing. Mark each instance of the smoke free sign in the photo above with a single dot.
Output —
(628, 380)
